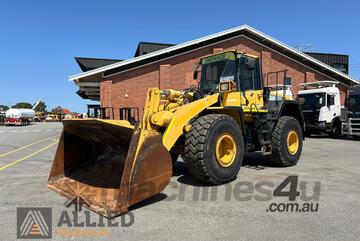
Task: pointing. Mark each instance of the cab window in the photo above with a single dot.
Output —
(250, 76)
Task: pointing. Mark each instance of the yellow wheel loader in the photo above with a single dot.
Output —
(109, 165)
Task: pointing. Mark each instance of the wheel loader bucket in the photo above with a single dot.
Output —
(108, 166)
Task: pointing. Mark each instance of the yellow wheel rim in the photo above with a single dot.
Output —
(292, 142)
(225, 150)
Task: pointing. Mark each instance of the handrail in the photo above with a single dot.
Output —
(277, 82)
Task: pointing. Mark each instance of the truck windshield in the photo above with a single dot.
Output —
(215, 69)
(354, 103)
(311, 101)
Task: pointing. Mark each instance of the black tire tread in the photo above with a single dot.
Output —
(195, 147)
(277, 156)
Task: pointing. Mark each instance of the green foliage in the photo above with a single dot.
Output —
(23, 105)
(4, 107)
(41, 107)
(58, 109)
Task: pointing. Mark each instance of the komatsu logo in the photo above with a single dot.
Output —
(34, 223)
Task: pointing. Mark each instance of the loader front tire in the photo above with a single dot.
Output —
(287, 142)
(214, 149)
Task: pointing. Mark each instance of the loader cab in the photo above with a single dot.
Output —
(241, 68)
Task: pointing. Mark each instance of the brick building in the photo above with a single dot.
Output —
(124, 83)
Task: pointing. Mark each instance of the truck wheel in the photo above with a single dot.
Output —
(214, 149)
(335, 131)
(287, 142)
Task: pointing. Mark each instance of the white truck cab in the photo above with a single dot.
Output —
(321, 108)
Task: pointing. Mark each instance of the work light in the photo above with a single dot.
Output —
(226, 86)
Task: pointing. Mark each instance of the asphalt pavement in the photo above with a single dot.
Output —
(249, 208)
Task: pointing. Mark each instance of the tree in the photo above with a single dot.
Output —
(24, 105)
(41, 107)
(4, 107)
(58, 109)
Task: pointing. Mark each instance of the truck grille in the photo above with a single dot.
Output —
(311, 117)
(355, 125)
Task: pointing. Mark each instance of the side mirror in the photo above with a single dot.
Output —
(195, 74)
(346, 102)
(196, 71)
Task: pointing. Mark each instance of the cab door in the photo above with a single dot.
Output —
(331, 106)
(250, 83)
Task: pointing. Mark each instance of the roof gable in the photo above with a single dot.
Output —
(243, 30)
(148, 47)
(87, 64)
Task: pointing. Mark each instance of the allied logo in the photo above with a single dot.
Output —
(34, 223)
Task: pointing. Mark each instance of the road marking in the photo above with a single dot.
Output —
(28, 131)
(27, 146)
(46, 147)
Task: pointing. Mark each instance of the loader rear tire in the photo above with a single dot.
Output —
(206, 160)
(286, 142)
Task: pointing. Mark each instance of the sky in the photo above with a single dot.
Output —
(39, 39)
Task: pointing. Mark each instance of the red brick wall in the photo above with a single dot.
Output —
(177, 73)
(105, 93)
(129, 88)
(343, 93)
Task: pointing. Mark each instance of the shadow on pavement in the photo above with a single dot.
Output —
(151, 200)
(255, 161)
